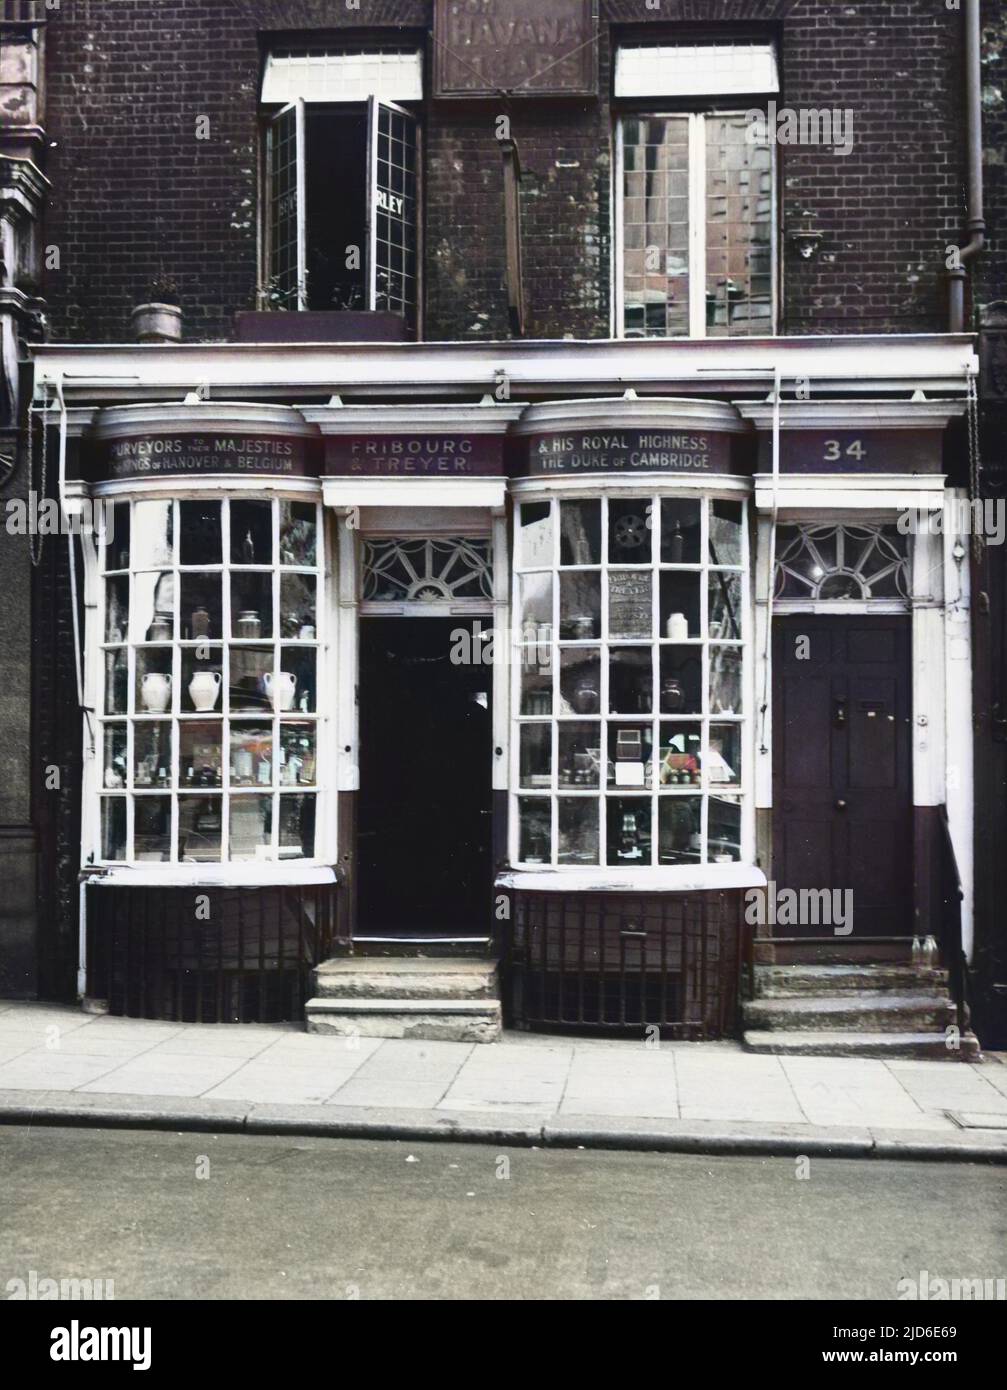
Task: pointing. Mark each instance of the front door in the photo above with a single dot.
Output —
(842, 800)
(424, 853)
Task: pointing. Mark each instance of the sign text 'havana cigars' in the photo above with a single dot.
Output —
(163, 455)
(526, 47)
(414, 455)
(629, 451)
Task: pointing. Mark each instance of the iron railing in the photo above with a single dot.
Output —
(951, 897)
(624, 963)
(207, 955)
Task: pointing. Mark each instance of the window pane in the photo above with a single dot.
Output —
(113, 827)
(297, 755)
(725, 533)
(117, 609)
(152, 618)
(655, 225)
(202, 679)
(580, 606)
(725, 613)
(725, 829)
(116, 548)
(297, 827)
(536, 755)
(252, 678)
(681, 680)
(725, 680)
(580, 533)
(297, 606)
(680, 837)
(199, 829)
(152, 827)
(535, 537)
(251, 533)
(680, 532)
(681, 755)
(631, 603)
(115, 755)
(535, 593)
(578, 830)
(153, 533)
(630, 755)
(201, 618)
(536, 681)
(535, 830)
(297, 680)
(298, 539)
(580, 755)
(630, 531)
(725, 755)
(251, 606)
(116, 682)
(199, 533)
(251, 754)
(630, 680)
(739, 203)
(153, 680)
(152, 754)
(251, 827)
(680, 605)
(200, 754)
(629, 834)
(580, 680)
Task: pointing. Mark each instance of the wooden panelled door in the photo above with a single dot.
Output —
(842, 766)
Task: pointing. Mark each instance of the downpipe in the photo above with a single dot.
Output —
(976, 224)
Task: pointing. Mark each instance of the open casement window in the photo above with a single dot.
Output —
(343, 208)
(695, 227)
(288, 242)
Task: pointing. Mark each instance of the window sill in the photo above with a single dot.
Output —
(320, 326)
(676, 879)
(251, 875)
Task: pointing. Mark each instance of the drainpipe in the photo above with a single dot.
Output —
(976, 223)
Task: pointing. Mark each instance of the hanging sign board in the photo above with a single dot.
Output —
(522, 47)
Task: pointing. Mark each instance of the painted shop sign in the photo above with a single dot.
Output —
(634, 451)
(523, 47)
(162, 455)
(854, 451)
(435, 455)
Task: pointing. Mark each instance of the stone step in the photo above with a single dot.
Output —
(790, 981)
(403, 977)
(825, 1044)
(433, 1019)
(832, 950)
(874, 1013)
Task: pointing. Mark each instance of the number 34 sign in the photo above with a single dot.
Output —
(854, 451)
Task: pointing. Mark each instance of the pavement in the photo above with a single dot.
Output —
(62, 1066)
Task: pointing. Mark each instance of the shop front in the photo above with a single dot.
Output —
(501, 659)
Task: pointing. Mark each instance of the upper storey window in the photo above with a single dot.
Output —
(695, 181)
(341, 177)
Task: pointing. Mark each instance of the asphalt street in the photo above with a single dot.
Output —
(231, 1216)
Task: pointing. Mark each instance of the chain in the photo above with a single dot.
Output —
(36, 540)
(974, 468)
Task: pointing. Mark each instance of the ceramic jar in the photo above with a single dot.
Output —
(155, 692)
(204, 690)
(281, 692)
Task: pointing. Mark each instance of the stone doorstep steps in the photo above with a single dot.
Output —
(831, 950)
(826, 1044)
(443, 978)
(793, 981)
(856, 1013)
(448, 1020)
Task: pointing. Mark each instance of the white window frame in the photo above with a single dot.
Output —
(647, 491)
(697, 220)
(271, 867)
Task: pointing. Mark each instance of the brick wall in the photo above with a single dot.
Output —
(137, 195)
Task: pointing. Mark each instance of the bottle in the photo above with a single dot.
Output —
(676, 545)
(248, 549)
(929, 953)
(917, 952)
